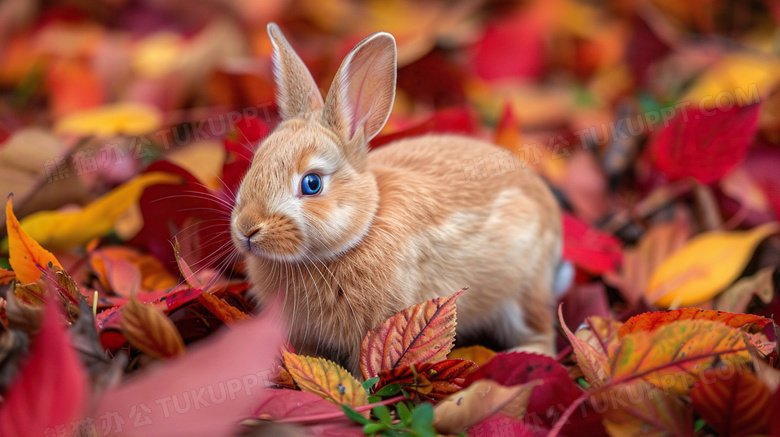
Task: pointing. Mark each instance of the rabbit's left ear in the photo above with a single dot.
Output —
(361, 97)
(297, 93)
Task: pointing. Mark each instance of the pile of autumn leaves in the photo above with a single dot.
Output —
(660, 373)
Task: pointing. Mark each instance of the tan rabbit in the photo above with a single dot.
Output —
(349, 238)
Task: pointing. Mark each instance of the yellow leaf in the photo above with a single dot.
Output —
(62, 230)
(705, 266)
(150, 330)
(327, 379)
(478, 354)
(203, 159)
(124, 118)
(739, 79)
(478, 402)
(26, 255)
(158, 55)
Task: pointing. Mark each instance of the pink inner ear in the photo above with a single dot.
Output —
(359, 96)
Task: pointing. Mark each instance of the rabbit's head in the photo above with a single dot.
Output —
(307, 194)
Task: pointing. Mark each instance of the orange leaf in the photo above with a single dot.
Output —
(189, 276)
(732, 400)
(27, 257)
(672, 356)
(639, 408)
(419, 334)
(148, 329)
(119, 267)
(224, 311)
(478, 354)
(653, 320)
(6, 276)
(325, 378)
(591, 358)
(600, 332)
(432, 380)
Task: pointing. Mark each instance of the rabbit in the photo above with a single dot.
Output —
(349, 238)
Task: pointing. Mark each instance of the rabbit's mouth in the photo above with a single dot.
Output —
(274, 238)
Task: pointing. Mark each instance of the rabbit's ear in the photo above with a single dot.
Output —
(297, 93)
(362, 94)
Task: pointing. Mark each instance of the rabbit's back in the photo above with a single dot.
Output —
(462, 212)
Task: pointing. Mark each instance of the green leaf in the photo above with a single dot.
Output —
(367, 384)
(354, 415)
(374, 399)
(389, 390)
(373, 428)
(403, 413)
(383, 414)
(422, 420)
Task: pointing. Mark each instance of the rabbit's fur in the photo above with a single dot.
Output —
(391, 228)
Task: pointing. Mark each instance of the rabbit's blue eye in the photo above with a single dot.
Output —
(311, 184)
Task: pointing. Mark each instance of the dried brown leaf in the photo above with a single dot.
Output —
(148, 329)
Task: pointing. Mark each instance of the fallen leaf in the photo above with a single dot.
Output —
(640, 262)
(510, 369)
(716, 140)
(148, 329)
(320, 417)
(478, 402)
(432, 380)
(742, 77)
(419, 334)
(672, 356)
(326, 379)
(596, 252)
(639, 408)
(705, 266)
(6, 276)
(732, 400)
(27, 257)
(593, 361)
(24, 168)
(653, 320)
(600, 332)
(478, 354)
(118, 267)
(737, 297)
(224, 311)
(124, 118)
(51, 388)
(452, 120)
(518, 32)
(63, 230)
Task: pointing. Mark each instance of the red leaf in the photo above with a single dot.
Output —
(704, 143)
(240, 142)
(513, 46)
(732, 400)
(520, 367)
(321, 417)
(549, 399)
(168, 208)
(652, 320)
(432, 380)
(452, 120)
(592, 250)
(51, 388)
(419, 334)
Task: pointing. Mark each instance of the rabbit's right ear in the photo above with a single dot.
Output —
(297, 93)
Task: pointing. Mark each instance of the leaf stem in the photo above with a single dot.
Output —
(338, 414)
(566, 414)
